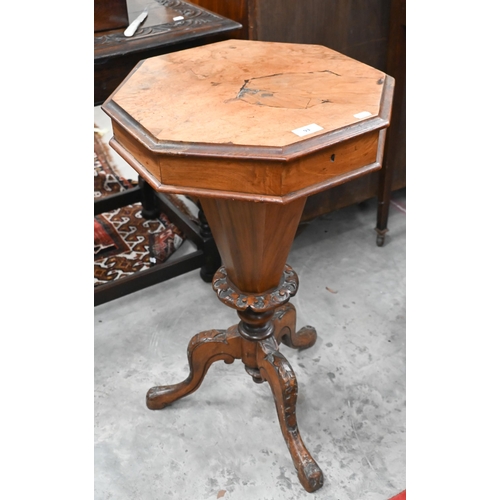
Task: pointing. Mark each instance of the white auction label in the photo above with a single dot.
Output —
(363, 114)
(308, 129)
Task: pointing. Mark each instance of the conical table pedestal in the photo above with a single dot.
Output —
(251, 129)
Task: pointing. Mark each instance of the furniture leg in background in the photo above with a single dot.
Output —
(394, 158)
(148, 200)
(212, 260)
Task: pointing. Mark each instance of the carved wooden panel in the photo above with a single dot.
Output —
(159, 28)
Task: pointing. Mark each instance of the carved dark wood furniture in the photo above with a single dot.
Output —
(114, 57)
(252, 129)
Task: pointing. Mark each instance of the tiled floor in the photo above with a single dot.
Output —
(224, 440)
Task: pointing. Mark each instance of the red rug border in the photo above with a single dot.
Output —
(399, 496)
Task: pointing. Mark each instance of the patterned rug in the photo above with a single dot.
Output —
(124, 242)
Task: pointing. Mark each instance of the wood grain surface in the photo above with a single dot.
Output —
(249, 93)
(253, 239)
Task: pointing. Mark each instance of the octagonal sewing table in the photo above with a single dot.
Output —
(251, 129)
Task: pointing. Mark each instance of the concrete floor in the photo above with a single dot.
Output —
(224, 441)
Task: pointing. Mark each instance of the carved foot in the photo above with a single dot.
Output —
(284, 323)
(277, 371)
(204, 349)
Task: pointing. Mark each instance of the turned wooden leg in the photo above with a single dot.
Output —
(384, 198)
(204, 349)
(284, 320)
(277, 371)
(150, 209)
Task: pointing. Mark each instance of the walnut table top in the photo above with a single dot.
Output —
(240, 119)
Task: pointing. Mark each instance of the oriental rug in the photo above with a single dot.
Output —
(125, 243)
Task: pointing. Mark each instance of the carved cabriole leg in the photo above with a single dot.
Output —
(284, 320)
(266, 319)
(275, 368)
(204, 349)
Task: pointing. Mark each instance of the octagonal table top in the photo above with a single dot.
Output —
(241, 99)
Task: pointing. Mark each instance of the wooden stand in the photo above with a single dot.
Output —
(255, 340)
(228, 131)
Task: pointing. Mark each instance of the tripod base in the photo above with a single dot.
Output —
(263, 362)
